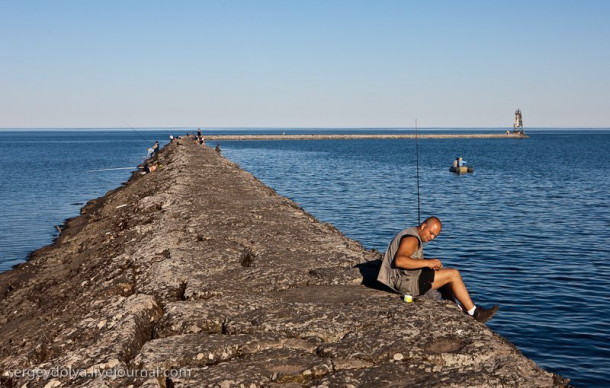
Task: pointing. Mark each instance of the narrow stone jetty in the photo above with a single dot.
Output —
(370, 136)
(199, 275)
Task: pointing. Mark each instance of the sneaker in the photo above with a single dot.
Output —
(483, 315)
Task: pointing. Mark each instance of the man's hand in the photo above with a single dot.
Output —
(435, 264)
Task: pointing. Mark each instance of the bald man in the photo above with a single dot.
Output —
(405, 270)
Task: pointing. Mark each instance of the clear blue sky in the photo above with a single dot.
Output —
(304, 63)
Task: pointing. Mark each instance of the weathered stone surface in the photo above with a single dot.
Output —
(208, 274)
(370, 136)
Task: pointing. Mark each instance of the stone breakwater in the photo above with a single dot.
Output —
(365, 136)
(199, 275)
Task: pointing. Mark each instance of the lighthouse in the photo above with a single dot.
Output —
(518, 124)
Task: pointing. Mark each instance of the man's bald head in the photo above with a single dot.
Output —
(429, 229)
(430, 221)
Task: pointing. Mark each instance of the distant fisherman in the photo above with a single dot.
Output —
(405, 270)
(153, 151)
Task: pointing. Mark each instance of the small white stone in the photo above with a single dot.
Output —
(398, 357)
(101, 324)
(52, 384)
(200, 356)
(211, 356)
(226, 384)
(194, 329)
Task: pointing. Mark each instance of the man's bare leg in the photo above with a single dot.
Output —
(452, 277)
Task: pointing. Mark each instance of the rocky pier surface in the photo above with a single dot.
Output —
(370, 136)
(199, 275)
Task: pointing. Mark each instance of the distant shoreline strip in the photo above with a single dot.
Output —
(365, 136)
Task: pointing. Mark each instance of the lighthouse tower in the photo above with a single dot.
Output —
(518, 124)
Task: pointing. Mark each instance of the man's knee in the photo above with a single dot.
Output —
(446, 276)
(456, 273)
(452, 273)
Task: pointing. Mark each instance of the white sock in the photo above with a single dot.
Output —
(471, 311)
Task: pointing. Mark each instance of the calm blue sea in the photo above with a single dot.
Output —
(529, 229)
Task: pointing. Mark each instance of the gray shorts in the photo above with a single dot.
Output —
(416, 283)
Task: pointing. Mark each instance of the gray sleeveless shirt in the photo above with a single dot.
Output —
(404, 281)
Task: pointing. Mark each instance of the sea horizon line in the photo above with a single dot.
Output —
(358, 129)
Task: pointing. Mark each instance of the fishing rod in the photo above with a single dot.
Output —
(148, 141)
(417, 167)
(138, 133)
(112, 169)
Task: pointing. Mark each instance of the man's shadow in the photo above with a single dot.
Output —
(369, 271)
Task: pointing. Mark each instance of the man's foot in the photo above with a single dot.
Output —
(483, 315)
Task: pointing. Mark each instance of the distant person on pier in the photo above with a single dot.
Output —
(152, 151)
(155, 148)
(405, 270)
(150, 167)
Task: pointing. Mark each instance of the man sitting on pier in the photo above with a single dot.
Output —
(405, 270)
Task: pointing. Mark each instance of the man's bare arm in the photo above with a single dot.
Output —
(408, 246)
